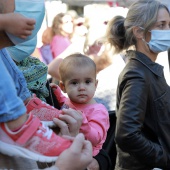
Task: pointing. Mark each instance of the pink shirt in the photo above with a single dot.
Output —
(95, 121)
(58, 44)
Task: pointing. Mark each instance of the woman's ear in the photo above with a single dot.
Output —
(138, 32)
(62, 86)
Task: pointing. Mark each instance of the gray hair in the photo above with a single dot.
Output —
(142, 13)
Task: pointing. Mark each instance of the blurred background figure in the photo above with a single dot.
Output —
(67, 28)
(62, 30)
(45, 50)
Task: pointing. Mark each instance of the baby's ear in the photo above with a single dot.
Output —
(62, 86)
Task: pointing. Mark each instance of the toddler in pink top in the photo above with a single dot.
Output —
(58, 44)
(62, 29)
(78, 80)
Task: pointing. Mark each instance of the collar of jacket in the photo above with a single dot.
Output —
(152, 66)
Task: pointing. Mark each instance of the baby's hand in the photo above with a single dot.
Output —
(53, 86)
(65, 106)
(17, 24)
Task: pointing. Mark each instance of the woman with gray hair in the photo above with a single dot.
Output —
(143, 97)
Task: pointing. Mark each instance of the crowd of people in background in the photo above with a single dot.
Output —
(109, 66)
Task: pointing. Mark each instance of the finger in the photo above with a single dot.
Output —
(77, 115)
(73, 113)
(68, 119)
(93, 165)
(31, 21)
(87, 148)
(64, 130)
(78, 143)
(71, 122)
(26, 33)
(68, 137)
(53, 86)
(23, 36)
(30, 27)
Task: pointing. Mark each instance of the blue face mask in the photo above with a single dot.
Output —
(160, 40)
(32, 9)
(22, 50)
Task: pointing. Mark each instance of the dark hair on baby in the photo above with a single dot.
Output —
(72, 61)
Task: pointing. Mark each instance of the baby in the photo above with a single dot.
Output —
(78, 80)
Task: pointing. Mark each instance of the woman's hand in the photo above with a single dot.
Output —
(77, 157)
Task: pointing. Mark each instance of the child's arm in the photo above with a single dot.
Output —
(95, 125)
(16, 24)
(58, 94)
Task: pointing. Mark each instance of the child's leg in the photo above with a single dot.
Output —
(45, 112)
(17, 123)
(32, 140)
(11, 106)
(16, 74)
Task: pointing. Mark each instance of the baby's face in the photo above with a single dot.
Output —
(81, 85)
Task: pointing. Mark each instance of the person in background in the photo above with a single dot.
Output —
(45, 54)
(143, 107)
(78, 80)
(77, 36)
(62, 29)
(107, 85)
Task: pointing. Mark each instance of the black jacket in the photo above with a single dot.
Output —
(143, 115)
